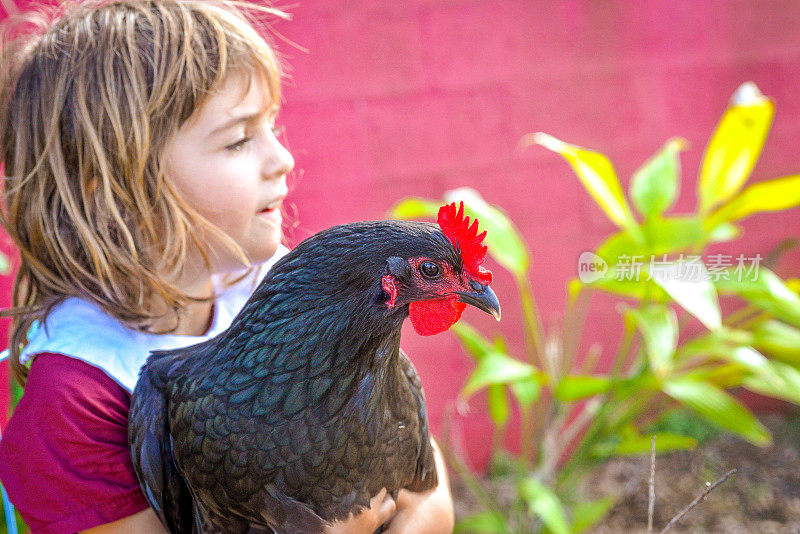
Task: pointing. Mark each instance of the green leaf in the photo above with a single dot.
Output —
(718, 408)
(674, 234)
(5, 265)
(481, 523)
(764, 289)
(415, 208)
(635, 445)
(770, 377)
(473, 342)
(574, 387)
(659, 328)
(718, 342)
(689, 285)
(597, 175)
(720, 376)
(497, 368)
(498, 404)
(684, 422)
(636, 384)
(505, 243)
(773, 195)
(526, 391)
(735, 146)
(793, 284)
(644, 289)
(780, 380)
(16, 393)
(574, 288)
(545, 504)
(662, 236)
(778, 340)
(655, 185)
(586, 514)
(723, 232)
(499, 343)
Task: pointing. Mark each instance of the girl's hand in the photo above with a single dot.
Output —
(381, 508)
(429, 512)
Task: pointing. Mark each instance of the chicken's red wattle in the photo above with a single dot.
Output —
(431, 317)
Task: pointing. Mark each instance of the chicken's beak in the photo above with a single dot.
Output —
(482, 297)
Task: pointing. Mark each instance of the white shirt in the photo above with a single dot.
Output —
(80, 329)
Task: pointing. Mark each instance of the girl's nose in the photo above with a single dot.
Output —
(279, 161)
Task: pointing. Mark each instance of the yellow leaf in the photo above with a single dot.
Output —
(773, 195)
(735, 146)
(596, 173)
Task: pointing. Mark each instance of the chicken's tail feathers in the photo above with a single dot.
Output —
(287, 515)
(426, 476)
(151, 451)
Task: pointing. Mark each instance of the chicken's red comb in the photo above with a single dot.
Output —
(456, 227)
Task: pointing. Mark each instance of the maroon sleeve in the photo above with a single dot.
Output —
(64, 456)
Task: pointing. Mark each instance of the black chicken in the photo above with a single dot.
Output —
(306, 407)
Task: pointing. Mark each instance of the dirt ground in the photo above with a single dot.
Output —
(762, 497)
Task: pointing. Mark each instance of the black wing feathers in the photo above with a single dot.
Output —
(151, 450)
(302, 410)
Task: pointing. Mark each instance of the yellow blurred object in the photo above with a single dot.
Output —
(597, 174)
(735, 146)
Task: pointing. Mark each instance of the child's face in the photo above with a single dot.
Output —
(228, 165)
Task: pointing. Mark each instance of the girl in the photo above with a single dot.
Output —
(143, 177)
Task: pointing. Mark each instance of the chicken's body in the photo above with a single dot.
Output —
(304, 408)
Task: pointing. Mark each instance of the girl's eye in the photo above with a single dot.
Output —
(430, 269)
(238, 145)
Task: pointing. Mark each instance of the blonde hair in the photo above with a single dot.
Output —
(88, 100)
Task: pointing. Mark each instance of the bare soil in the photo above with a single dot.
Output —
(762, 497)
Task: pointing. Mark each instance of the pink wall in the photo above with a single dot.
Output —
(414, 98)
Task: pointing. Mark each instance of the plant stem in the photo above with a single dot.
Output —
(701, 497)
(572, 328)
(533, 323)
(571, 430)
(740, 314)
(497, 439)
(464, 472)
(747, 323)
(651, 484)
(526, 434)
(624, 347)
(578, 461)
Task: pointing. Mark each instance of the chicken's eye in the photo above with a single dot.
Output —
(430, 269)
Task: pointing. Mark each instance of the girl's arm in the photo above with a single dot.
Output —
(381, 508)
(144, 522)
(64, 456)
(429, 512)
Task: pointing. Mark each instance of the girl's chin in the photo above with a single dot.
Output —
(257, 251)
(272, 216)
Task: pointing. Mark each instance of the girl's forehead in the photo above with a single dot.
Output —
(239, 97)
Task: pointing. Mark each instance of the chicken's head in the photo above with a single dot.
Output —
(437, 287)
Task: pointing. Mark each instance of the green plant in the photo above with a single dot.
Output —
(573, 416)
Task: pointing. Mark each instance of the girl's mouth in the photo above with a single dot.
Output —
(272, 206)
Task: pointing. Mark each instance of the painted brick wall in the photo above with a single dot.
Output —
(414, 98)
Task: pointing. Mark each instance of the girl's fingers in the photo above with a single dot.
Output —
(387, 506)
(381, 509)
